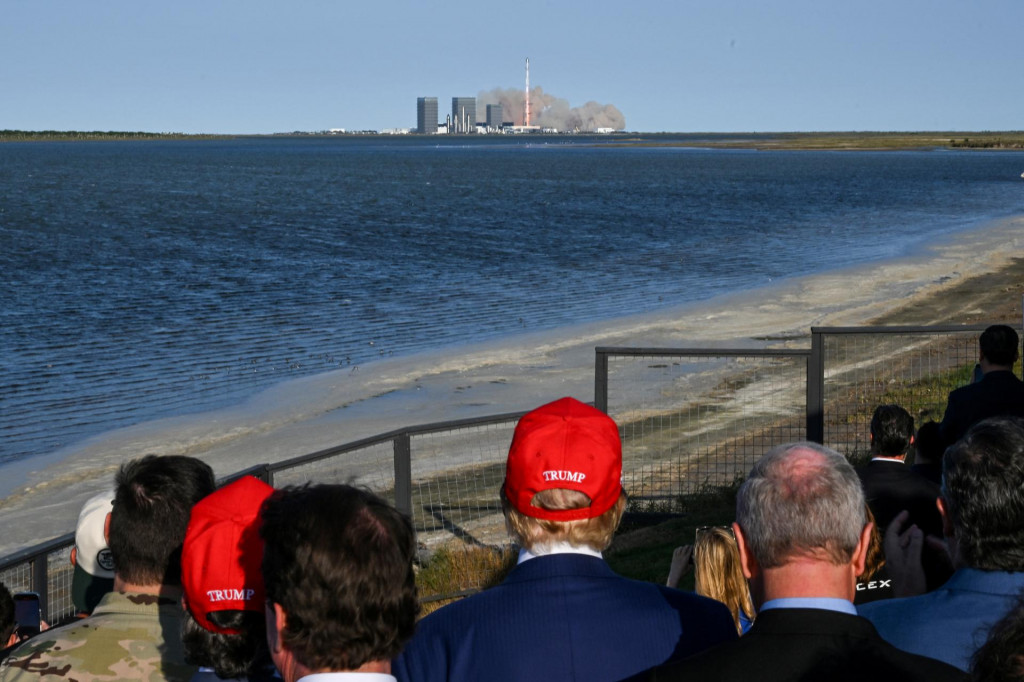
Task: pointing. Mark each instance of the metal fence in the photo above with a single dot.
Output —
(860, 368)
(697, 418)
(690, 419)
(694, 418)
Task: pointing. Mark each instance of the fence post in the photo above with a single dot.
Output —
(816, 388)
(40, 582)
(601, 380)
(403, 473)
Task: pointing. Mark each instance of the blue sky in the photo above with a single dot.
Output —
(675, 65)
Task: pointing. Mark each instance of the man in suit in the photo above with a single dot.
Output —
(982, 507)
(998, 392)
(562, 613)
(803, 535)
(890, 486)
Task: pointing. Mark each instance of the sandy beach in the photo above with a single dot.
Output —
(971, 277)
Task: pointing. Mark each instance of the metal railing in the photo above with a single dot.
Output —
(689, 418)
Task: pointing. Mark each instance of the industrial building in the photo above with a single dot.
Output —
(426, 115)
(494, 116)
(463, 115)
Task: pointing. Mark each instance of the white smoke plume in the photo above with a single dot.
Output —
(548, 111)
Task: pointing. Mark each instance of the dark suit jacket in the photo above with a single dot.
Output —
(997, 393)
(891, 487)
(562, 617)
(808, 644)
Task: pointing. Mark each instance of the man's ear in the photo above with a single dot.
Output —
(277, 621)
(860, 553)
(106, 529)
(747, 561)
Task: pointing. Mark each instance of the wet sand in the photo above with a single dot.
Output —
(971, 277)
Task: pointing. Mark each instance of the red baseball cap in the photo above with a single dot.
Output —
(564, 444)
(220, 560)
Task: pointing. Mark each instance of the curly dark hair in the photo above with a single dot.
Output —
(338, 560)
(983, 489)
(230, 656)
(153, 500)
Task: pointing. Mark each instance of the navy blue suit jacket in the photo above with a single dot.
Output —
(953, 621)
(562, 617)
(998, 393)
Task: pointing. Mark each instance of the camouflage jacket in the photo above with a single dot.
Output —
(128, 637)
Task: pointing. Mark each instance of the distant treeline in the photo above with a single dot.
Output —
(989, 143)
(34, 135)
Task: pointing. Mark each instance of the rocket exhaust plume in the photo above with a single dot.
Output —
(548, 111)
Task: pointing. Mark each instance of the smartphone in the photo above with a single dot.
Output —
(26, 613)
(977, 375)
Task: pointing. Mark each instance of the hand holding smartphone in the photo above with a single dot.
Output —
(26, 614)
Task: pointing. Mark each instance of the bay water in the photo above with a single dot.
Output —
(146, 280)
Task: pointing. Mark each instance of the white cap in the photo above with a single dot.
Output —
(93, 555)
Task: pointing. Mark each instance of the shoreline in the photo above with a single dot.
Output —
(968, 277)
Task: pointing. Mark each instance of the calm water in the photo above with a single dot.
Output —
(150, 279)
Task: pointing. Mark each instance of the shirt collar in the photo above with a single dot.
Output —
(827, 603)
(362, 677)
(555, 548)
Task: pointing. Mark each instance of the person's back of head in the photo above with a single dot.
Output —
(562, 478)
(93, 574)
(152, 503)
(338, 570)
(928, 445)
(892, 430)
(224, 625)
(718, 574)
(983, 495)
(801, 500)
(999, 345)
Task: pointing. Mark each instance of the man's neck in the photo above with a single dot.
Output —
(124, 586)
(987, 367)
(805, 578)
(299, 671)
(890, 458)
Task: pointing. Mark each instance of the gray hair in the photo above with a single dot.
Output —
(801, 499)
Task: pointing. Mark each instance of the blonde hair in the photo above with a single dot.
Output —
(718, 574)
(595, 533)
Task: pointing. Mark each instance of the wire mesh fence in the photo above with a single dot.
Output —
(369, 466)
(690, 419)
(914, 368)
(18, 578)
(455, 479)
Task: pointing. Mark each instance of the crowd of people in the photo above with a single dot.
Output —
(828, 572)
